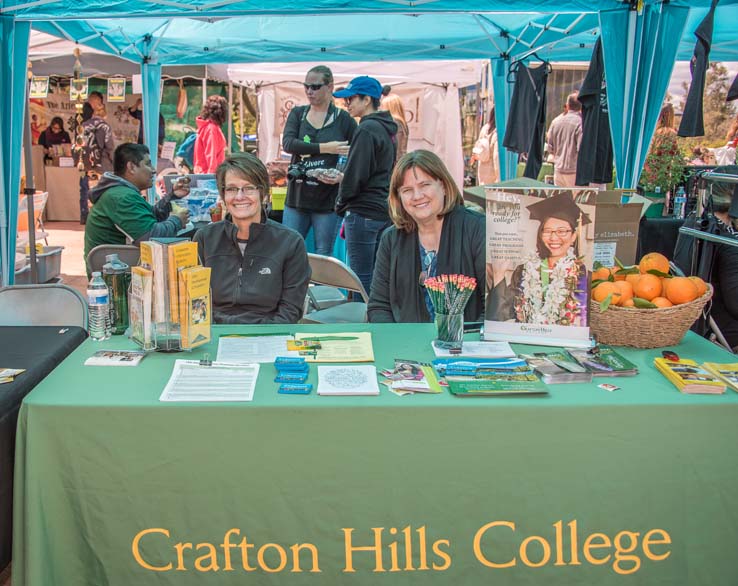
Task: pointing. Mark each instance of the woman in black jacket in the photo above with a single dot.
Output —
(433, 234)
(365, 183)
(315, 135)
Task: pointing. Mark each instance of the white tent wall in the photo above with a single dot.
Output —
(429, 92)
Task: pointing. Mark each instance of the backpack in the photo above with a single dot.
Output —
(187, 149)
(90, 146)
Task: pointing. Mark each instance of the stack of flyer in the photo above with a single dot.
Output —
(689, 377)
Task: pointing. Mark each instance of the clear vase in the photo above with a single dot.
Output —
(450, 330)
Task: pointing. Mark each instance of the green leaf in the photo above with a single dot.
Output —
(599, 281)
(628, 271)
(606, 302)
(643, 303)
(597, 265)
(618, 263)
(659, 273)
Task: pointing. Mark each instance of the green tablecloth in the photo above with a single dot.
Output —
(113, 487)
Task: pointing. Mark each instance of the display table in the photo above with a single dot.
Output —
(658, 235)
(114, 487)
(38, 350)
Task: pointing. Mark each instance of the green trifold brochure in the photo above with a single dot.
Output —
(499, 386)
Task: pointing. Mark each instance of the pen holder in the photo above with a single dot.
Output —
(450, 330)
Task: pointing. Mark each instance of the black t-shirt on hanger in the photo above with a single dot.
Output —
(594, 164)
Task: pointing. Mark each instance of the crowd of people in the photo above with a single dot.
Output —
(401, 213)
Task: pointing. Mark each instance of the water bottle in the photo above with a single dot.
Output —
(341, 164)
(680, 203)
(117, 276)
(97, 299)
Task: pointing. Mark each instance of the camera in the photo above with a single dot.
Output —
(297, 171)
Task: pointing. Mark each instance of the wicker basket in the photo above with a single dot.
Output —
(645, 328)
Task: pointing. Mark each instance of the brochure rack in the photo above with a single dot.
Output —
(169, 298)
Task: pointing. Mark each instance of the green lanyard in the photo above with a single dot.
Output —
(545, 274)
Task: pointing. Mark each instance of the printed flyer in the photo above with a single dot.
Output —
(540, 244)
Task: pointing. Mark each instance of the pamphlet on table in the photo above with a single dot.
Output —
(253, 348)
(334, 347)
(192, 380)
(116, 358)
(352, 380)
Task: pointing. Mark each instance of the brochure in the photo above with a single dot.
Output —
(334, 347)
(604, 361)
(349, 380)
(728, 373)
(689, 377)
(116, 358)
(540, 244)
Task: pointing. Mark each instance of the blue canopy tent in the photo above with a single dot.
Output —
(156, 32)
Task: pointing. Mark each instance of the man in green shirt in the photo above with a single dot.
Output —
(120, 214)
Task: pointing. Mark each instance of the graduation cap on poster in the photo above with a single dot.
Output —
(561, 206)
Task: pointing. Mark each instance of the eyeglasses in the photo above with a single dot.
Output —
(246, 190)
(313, 86)
(348, 100)
(561, 233)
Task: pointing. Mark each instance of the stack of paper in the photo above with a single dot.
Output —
(689, 377)
(353, 380)
(7, 375)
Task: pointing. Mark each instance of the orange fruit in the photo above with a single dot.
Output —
(614, 271)
(654, 260)
(682, 290)
(625, 289)
(601, 274)
(601, 291)
(647, 287)
(701, 285)
(627, 303)
(661, 302)
(632, 279)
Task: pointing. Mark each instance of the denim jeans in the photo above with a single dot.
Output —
(362, 242)
(325, 227)
(84, 189)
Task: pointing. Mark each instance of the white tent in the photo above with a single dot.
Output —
(429, 92)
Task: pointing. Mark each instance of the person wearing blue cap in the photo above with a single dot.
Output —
(362, 198)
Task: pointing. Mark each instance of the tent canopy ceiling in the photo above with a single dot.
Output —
(342, 37)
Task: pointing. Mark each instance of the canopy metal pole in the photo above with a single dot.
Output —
(707, 236)
(240, 115)
(30, 190)
(230, 116)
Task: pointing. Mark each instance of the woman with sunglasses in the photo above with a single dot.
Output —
(315, 135)
(433, 234)
(260, 270)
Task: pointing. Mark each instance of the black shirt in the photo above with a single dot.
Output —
(594, 164)
(692, 123)
(526, 123)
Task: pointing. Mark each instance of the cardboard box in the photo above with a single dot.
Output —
(616, 228)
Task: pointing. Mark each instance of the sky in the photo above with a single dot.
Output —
(681, 73)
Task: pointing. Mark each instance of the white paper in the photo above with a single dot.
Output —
(479, 350)
(348, 380)
(240, 349)
(604, 253)
(220, 382)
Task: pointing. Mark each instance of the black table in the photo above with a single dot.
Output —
(658, 235)
(38, 349)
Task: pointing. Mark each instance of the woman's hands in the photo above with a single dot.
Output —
(334, 147)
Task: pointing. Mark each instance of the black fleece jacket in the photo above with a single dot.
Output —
(265, 285)
(365, 185)
(396, 294)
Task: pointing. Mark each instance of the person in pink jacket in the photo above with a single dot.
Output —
(210, 144)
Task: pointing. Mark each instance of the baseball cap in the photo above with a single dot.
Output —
(364, 85)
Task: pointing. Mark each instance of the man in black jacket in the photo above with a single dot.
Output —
(365, 184)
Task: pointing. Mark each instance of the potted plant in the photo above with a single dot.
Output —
(663, 169)
(216, 213)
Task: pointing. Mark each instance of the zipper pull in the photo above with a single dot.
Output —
(240, 272)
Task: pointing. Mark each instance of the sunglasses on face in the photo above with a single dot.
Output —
(314, 87)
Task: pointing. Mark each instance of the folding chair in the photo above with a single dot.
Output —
(42, 305)
(39, 204)
(329, 271)
(127, 253)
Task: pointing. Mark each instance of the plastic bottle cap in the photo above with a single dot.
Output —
(96, 274)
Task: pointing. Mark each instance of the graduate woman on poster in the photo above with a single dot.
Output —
(550, 286)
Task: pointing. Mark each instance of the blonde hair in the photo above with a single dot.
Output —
(666, 118)
(393, 104)
(431, 164)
